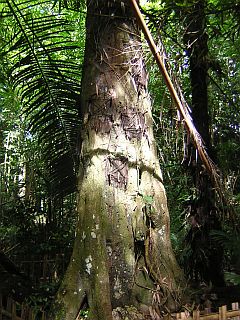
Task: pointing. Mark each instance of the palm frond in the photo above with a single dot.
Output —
(48, 83)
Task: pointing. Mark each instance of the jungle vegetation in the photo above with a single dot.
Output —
(101, 180)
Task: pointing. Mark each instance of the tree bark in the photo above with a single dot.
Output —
(122, 252)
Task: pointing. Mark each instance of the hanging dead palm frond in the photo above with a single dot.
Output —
(47, 79)
(183, 108)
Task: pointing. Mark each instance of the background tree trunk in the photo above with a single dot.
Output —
(207, 267)
(122, 249)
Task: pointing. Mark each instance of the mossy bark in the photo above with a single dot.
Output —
(122, 249)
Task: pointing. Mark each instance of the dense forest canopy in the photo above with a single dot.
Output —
(44, 123)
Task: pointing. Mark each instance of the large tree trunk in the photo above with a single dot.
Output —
(207, 266)
(122, 250)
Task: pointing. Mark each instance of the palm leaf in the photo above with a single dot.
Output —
(47, 82)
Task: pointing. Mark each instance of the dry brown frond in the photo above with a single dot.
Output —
(184, 109)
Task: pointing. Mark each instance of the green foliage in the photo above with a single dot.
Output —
(165, 17)
(148, 199)
(229, 240)
(42, 72)
(42, 300)
(8, 236)
(32, 231)
(232, 278)
(84, 314)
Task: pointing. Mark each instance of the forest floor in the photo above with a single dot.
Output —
(215, 297)
(21, 288)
